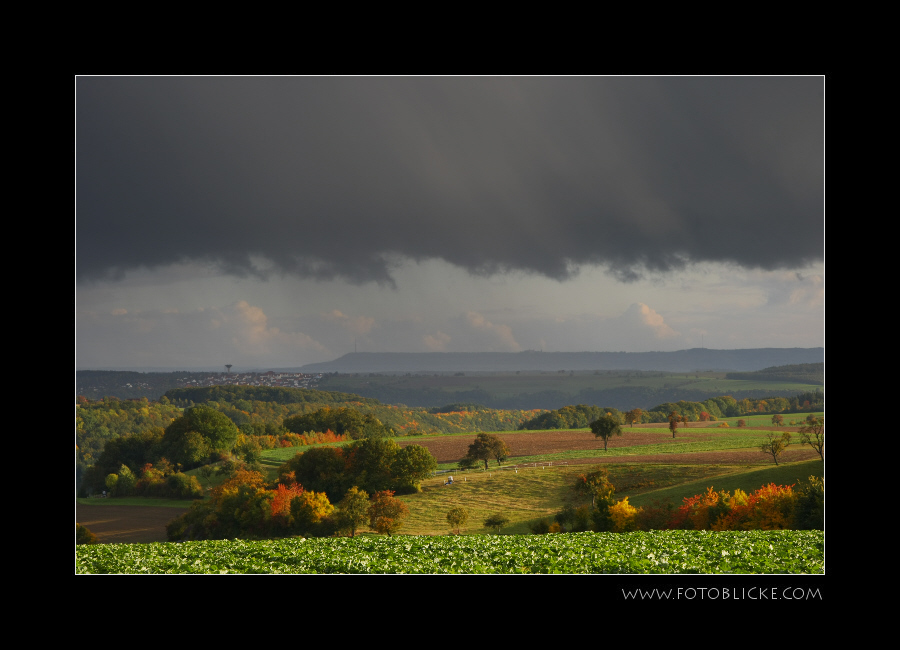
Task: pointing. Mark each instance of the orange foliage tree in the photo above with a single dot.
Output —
(386, 513)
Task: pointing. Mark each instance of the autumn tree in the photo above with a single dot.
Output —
(386, 513)
(606, 427)
(775, 445)
(281, 503)
(632, 416)
(496, 521)
(456, 517)
(309, 510)
(596, 485)
(352, 510)
(486, 447)
(674, 419)
(813, 434)
(778, 419)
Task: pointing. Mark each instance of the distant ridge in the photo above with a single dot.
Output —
(746, 360)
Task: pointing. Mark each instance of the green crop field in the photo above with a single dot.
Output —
(658, 552)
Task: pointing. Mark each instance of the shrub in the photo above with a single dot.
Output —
(84, 536)
(539, 527)
(457, 517)
(182, 486)
(496, 521)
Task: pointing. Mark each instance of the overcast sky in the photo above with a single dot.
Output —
(275, 221)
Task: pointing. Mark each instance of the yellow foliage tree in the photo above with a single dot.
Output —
(623, 516)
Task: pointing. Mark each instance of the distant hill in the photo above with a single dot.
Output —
(811, 373)
(682, 361)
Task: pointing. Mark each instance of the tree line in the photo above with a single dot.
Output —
(772, 507)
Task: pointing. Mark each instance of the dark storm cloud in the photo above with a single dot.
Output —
(337, 177)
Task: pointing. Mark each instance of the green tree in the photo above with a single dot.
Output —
(370, 463)
(496, 521)
(200, 432)
(386, 513)
(809, 511)
(321, 469)
(813, 434)
(125, 484)
(206, 472)
(352, 510)
(606, 427)
(775, 445)
(410, 466)
(457, 517)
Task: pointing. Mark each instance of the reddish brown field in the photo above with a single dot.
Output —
(451, 449)
(127, 524)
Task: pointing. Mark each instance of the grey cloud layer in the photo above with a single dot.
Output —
(326, 177)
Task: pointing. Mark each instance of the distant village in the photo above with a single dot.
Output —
(95, 384)
(269, 378)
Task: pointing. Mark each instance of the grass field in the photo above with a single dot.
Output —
(524, 495)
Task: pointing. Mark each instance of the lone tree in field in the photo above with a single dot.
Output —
(777, 419)
(456, 517)
(813, 434)
(497, 521)
(775, 445)
(632, 416)
(674, 419)
(486, 447)
(606, 427)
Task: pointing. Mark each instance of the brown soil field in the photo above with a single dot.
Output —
(126, 524)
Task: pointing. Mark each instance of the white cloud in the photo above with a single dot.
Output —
(640, 314)
(436, 343)
(358, 325)
(497, 335)
(239, 333)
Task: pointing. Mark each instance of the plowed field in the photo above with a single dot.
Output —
(127, 524)
(452, 448)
